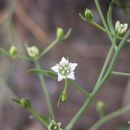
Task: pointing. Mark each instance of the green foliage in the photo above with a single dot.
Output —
(25, 103)
(108, 69)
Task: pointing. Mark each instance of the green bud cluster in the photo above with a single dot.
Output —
(88, 15)
(100, 105)
(59, 33)
(64, 96)
(13, 51)
(25, 103)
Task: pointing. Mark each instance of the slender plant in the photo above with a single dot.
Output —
(65, 71)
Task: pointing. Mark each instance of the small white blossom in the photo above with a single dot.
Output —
(65, 69)
(33, 51)
(120, 28)
(54, 126)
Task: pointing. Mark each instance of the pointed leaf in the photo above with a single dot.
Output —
(109, 17)
(16, 100)
(67, 34)
(4, 52)
(44, 72)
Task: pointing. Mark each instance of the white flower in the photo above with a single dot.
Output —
(120, 28)
(33, 51)
(65, 69)
(54, 126)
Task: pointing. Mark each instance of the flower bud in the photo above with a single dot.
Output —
(33, 52)
(59, 33)
(120, 28)
(25, 103)
(64, 96)
(13, 51)
(88, 15)
(100, 105)
(54, 126)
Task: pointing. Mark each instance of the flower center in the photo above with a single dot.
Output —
(54, 127)
(64, 69)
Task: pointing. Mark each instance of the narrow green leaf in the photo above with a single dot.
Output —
(44, 72)
(109, 18)
(121, 73)
(16, 100)
(105, 24)
(67, 34)
(82, 17)
(82, 90)
(4, 52)
(39, 117)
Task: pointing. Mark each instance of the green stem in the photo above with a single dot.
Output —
(98, 26)
(49, 47)
(109, 17)
(87, 94)
(106, 63)
(98, 85)
(118, 37)
(38, 116)
(66, 85)
(100, 113)
(105, 24)
(23, 58)
(109, 117)
(93, 23)
(64, 94)
(46, 93)
(113, 62)
(120, 73)
(104, 30)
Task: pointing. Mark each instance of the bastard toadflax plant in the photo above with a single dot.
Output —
(64, 71)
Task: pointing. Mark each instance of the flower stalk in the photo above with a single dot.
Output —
(45, 90)
(65, 70)
(98, 85)
(110, 116)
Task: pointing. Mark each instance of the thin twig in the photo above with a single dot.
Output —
(29, 24)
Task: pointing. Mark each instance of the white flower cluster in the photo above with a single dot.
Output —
(120, 28)
(33, 51)
(65, 69)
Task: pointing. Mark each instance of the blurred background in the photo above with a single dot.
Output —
(35, 22)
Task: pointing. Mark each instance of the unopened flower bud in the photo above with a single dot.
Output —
(13, 51)
(100, 105)
(25, 103)
(64, 96)
(33, 52)
(59, 33)
(88, 15)
(120, 28)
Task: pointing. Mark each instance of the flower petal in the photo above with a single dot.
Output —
(117, 25)
(125, 27)
(73, 66)
(55, 68)
(64, 60)
(60, 77)
(71, 76)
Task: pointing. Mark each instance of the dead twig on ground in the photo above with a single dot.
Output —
(29, 24)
